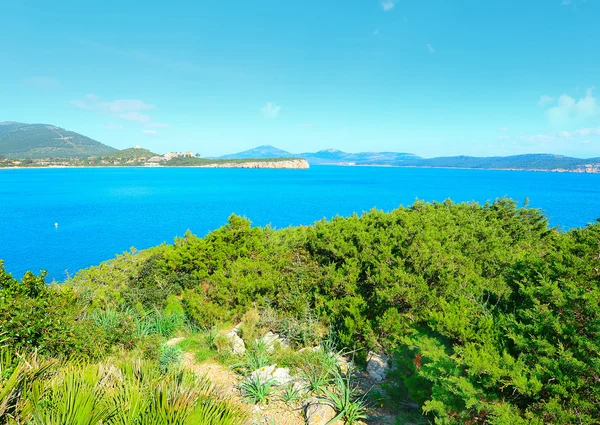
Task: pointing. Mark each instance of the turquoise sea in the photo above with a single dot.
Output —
(104, 211)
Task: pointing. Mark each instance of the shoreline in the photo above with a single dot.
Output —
(247, 165)
(293, 164)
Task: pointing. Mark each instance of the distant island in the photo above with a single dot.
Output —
(42, 145)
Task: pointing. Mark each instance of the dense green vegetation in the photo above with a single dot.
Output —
(491, 317)
(18, 140)
(131, 153)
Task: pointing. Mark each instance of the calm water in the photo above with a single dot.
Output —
(102, 212)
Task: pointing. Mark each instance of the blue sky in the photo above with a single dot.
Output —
(428, 77)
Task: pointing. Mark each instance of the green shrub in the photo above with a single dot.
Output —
(35, 316)
(492, 316)
(346, 399)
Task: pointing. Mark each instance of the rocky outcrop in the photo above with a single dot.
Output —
(272, 341)
(235, 342)
(288, 163)
(378, 366)
(278, 375)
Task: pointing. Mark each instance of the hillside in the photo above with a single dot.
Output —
(18, 140)
(133, 153)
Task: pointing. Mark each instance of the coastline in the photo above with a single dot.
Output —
(302, 164)
(293, 164)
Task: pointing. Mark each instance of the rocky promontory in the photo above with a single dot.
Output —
(288, 163)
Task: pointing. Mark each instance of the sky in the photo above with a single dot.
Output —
(429, 77)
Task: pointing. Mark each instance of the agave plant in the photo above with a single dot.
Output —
(317, 378)
(256, 390)
(290, 394)
(345, 398)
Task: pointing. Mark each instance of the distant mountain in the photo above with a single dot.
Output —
(18, 140)
(334, 156)
(516, 162)
(327, 156)
(264, 151)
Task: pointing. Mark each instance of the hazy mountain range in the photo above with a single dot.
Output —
(19, 140)
(327, 156)
(337, 157)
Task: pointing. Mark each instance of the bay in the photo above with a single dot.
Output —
(104, 211)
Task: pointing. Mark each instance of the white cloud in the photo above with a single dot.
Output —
(545, 99)
(89, 102)
(126, 109)
(270, 110)
(145, 131)
(538, 138)
(503, 129)
(569, 108)
(581, 132)
(126, 105)
(119, 106)
(503, 137)
(134, 116)
(42, 82)
(430, 48)
(113, 126)
(388, 4)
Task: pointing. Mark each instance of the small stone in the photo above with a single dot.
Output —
(378, 366)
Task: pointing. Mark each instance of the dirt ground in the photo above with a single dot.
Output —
(276, 412)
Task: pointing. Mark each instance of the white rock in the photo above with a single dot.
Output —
(280, 376)
(378, 366)
(319, 413)
(235, 342)
(272, 340)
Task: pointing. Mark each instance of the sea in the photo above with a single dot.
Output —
(63, 220)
